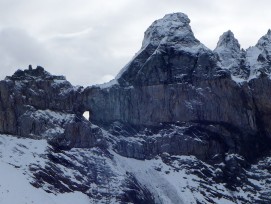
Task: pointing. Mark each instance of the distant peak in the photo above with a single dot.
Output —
(264, 40)
(173, 26)
(227, 40)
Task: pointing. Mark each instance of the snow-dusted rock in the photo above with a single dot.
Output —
(171, 28)
(36, 104)
(35, 172)
(231, 57)
(258, 57)
(170, 53)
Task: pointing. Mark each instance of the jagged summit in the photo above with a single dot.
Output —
(169, 40)
(230, 56)
(265, 41)
(258, 57)
(32, 74)
(228, 41)
(172, 27)
(167, 45)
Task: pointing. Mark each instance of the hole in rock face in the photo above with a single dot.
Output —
(86, 115)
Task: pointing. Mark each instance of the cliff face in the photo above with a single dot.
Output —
(175, 99)
(37, 104)
(174, 78)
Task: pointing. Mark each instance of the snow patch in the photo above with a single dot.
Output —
(16, 155)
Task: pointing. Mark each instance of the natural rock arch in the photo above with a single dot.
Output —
(86, 115)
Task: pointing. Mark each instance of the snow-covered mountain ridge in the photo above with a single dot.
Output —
(179, 124)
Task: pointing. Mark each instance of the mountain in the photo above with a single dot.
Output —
(180, 123)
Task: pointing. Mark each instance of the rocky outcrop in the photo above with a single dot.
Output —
(230, 55)
(36, 104)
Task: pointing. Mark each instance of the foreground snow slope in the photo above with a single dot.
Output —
(32, 172)
(16, 155)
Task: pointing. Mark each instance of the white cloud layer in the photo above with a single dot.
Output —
(89, 41)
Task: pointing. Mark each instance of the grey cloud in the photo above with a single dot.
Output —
(21, 46)
(18, 49)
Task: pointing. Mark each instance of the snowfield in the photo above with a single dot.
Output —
(103, 177)
(16, 155)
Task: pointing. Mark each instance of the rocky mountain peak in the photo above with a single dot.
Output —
(230, 56)
(172, 27)
(228, 41)
(265, 41)
(170, 53)
(258, 57)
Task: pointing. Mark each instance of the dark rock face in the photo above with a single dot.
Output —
(212, 100)
(261, 90)
(174, 78)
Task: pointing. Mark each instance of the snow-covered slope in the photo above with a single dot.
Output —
(17, 155)
(35, 173)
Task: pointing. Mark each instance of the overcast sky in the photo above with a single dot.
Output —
(89, 41)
